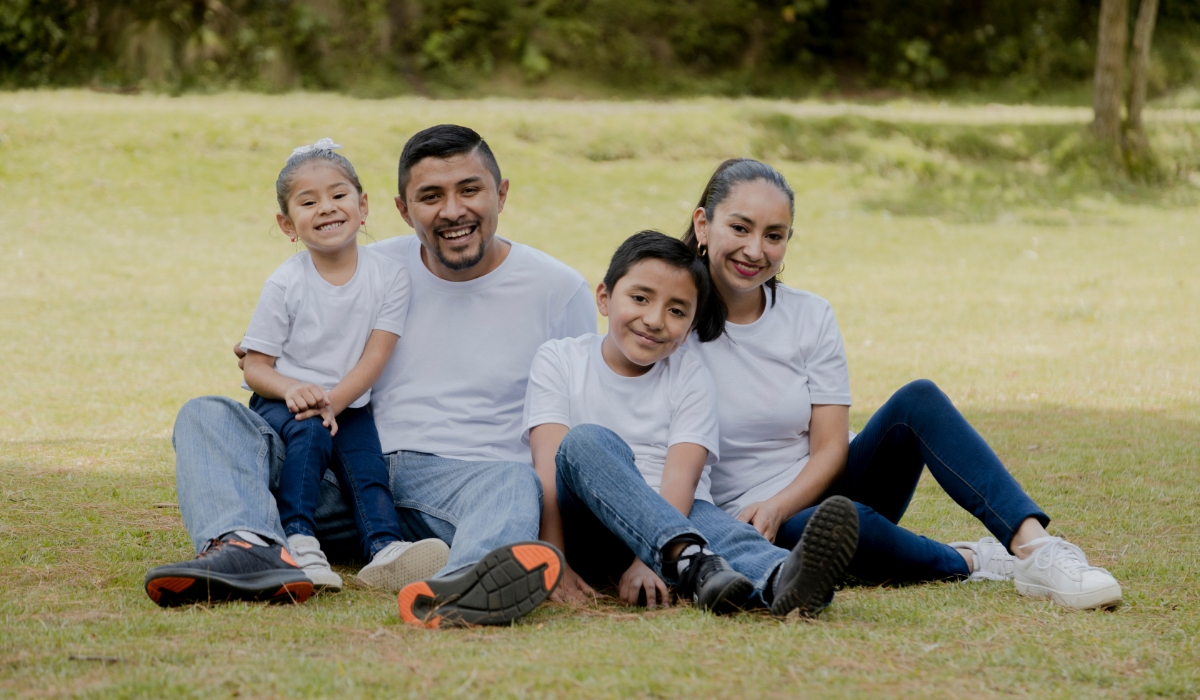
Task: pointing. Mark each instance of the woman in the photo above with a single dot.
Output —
(784, 397)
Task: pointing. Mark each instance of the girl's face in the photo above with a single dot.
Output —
(747, 237)
(324, 209)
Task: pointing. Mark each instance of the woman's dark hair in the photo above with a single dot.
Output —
(709, 320)
(728, 175)
(287, 176)
(444, 141)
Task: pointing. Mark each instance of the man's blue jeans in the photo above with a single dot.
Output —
(228, 461)
(356, 459)
(919, 426)
(610, 515)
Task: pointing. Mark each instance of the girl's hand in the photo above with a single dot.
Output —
(305, 397)
(765, 516)
(572, 589)
(639, 580)
(329, 420)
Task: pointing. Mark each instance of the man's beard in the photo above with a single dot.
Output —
(464, 263)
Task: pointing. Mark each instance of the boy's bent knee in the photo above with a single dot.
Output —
(588, 439)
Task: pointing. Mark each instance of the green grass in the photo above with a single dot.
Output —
(1058, 305)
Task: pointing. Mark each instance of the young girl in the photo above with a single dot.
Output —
(324, 329)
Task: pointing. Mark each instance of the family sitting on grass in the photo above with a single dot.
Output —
(441, 406)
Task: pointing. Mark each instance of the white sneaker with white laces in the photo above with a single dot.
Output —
(306, 550)
(992, 560)
(401, 563)
(1058, 570)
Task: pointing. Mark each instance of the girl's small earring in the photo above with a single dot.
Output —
(702, 250)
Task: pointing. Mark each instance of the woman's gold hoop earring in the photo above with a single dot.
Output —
(702, 250)
(781, 266)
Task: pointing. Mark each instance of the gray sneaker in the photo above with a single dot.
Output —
(401, 563)
(306, 550)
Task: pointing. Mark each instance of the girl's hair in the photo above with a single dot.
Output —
(728, 175)
(319, 152)
(709, 320)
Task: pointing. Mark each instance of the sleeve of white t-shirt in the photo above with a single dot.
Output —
(269, 325)
(547, 398)
(828, 373)
(394, 311)
(694, 410)
(578, 317)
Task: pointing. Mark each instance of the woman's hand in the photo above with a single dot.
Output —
(572, 588)
(639, 579)
(765, 516)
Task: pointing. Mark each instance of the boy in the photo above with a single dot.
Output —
(623, 431)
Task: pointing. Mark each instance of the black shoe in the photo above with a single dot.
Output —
(506, 584)
(230, 569)
(818, 561)
(710, 583)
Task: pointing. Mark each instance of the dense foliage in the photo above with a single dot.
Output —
(723, 46)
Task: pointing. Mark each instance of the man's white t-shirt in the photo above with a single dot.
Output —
(316, 330)
(456, 385)
(571, 384)
(769, 373)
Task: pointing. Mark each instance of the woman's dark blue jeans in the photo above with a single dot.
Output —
(919, 427)
(356, 458)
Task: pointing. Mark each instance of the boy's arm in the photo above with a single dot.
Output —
(544, 440)
(261, 376)
(375, 356)
(681, 474)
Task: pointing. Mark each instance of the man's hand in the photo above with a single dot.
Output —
(240, 354)
(765, 516)
(572, 589)
(639, 580)
(306, 397)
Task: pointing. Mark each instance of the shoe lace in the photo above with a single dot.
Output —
(702, 565)
(1055, 550)
(998, 560)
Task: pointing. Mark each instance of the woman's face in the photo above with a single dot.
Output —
(747, 236)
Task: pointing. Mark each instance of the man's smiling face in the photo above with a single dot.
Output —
(453, 205)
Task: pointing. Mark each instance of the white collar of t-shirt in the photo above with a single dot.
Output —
(608, 374)
(758, 325)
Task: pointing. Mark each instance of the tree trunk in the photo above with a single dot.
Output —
(1110, 61)
(1139, 64)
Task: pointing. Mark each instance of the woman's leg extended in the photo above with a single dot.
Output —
(919, 426)
(887, 553)
(363, 473)
(596, 473)
(738, 543)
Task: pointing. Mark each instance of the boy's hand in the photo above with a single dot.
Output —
(765, 516)
(305, 397)
(573, 589)
(640, 580)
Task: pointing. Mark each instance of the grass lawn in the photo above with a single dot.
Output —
(1059, 309)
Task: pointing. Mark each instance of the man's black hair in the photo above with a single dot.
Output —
(444, 141)
(652, 245)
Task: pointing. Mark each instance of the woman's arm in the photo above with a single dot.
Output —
(544, 440)
(828, 444)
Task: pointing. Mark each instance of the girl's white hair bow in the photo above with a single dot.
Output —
(325, 144)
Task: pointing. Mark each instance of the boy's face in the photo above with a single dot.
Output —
(650, 312)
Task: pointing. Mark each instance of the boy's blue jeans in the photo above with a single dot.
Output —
(919, 426)
(610, 515)
(228, 463)
(354, 455)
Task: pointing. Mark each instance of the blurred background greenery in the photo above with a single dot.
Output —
(1005, 50)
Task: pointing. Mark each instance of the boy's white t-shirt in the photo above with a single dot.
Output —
(768, 375)
(456, 385)
(316, 330)
(571, 384)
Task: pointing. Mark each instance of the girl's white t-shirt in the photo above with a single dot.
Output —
(570, 384)
(768, 374)
(316, 330)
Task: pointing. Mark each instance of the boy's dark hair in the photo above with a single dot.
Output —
(729, 174)
(444, 141)
(709, 320)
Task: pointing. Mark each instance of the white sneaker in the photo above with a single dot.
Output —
(992, 560)
(306, 550)
(401, 563)
(1058, 570)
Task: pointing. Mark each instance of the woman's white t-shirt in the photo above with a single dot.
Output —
(768, 374)
(570, 384)
(316, 330)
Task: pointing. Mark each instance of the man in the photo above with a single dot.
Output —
(448, 409)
